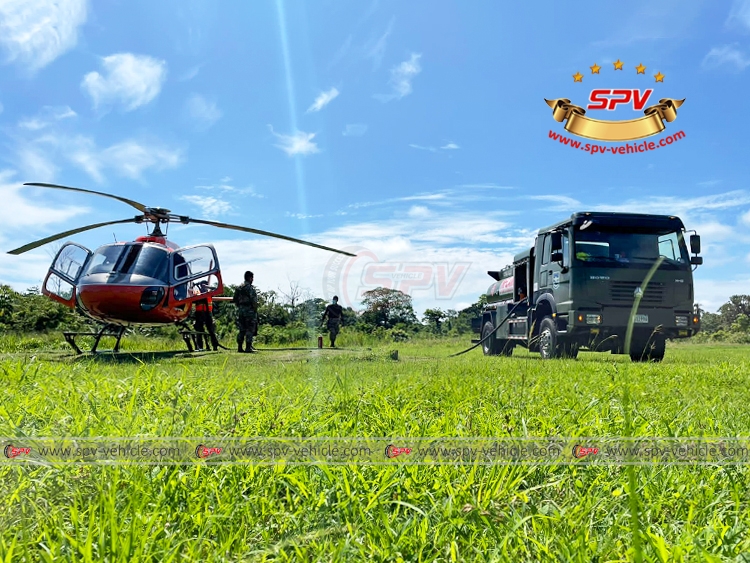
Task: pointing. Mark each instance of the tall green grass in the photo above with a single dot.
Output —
(346, 513)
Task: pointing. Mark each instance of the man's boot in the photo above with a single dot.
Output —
(239, 347)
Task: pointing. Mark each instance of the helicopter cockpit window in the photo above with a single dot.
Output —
(104, 260)
(151, 262)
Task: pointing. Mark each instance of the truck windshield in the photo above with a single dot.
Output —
(630, 248)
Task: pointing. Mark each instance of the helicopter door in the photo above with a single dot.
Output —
(61, 280)
(191, 267)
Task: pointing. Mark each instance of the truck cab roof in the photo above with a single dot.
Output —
(615, 219)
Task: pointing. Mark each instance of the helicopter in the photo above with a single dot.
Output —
(150, 281)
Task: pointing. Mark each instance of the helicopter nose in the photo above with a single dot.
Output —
(128, 303)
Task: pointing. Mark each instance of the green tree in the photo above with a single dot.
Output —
(386, 308)
(435, 317)
(732, 309)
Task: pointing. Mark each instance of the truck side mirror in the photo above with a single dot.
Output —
(556, 256)
(696, 260)
(695, 244)
(557, 242)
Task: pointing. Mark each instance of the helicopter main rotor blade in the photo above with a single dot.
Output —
(266, 233)
(38, 243)
(139, 206)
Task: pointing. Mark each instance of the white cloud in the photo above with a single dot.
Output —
(36, 32)
(375, 49)
(29, 214)
(354, 130)
(740, 13)
(323, 99)
(300, 215)
(421, 148)
(296, 143)
(47, 117)
(401, 77)
(211, 207)
(190, 73)
(224, 187)
(418, 211)
(746, 218)
(131, 158)
(487, 186)
(131, 80)
(33, 162)
(201, 113)
(564, 203)
(447, 147)
(128, 158)
(729, 56)
(341, 53)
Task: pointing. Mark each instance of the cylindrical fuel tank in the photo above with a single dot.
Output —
(501, 290)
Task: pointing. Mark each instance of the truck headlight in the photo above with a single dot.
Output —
(593, 319)
(681, 320)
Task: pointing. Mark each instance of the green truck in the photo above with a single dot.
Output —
(617, 282)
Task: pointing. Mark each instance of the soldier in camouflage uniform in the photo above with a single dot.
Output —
(246, 300)
(335, 314)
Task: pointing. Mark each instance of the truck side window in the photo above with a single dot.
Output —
(546, 249)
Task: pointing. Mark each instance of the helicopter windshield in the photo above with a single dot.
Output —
(133, 259)
(104, 259)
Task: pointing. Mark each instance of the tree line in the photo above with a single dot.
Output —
(294, 315)
(283, 316)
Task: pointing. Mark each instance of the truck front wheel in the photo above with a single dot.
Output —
(548, 345)
(652, 351)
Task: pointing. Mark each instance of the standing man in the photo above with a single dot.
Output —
(334, 312)
(204, 318)
(246, 300)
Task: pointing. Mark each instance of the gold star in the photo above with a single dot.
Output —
(578, 77)
(595, 69)
(618, 64)
(659, 77)
(641, 69)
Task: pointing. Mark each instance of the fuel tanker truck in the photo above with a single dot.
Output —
(616, 282)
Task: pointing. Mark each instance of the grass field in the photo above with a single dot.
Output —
(356, 513)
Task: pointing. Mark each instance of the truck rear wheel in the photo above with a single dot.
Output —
(489, 343)
(651, 351)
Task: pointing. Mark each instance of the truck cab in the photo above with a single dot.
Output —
(617, 282)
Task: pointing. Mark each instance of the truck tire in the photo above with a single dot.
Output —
(651, 351)
(548, 340)
(569, 349)
(489, 346)
(505, 347)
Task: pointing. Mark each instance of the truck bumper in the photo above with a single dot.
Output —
(613, 321)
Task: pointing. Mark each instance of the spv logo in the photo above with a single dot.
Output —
(350, 278)
(609, 98)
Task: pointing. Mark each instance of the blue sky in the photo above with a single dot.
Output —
(414, 132)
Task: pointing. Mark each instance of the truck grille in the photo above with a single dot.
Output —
(624, 292)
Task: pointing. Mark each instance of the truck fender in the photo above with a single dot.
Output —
(545, 305)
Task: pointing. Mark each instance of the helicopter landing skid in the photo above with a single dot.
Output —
(107, 330)
(190, 335)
